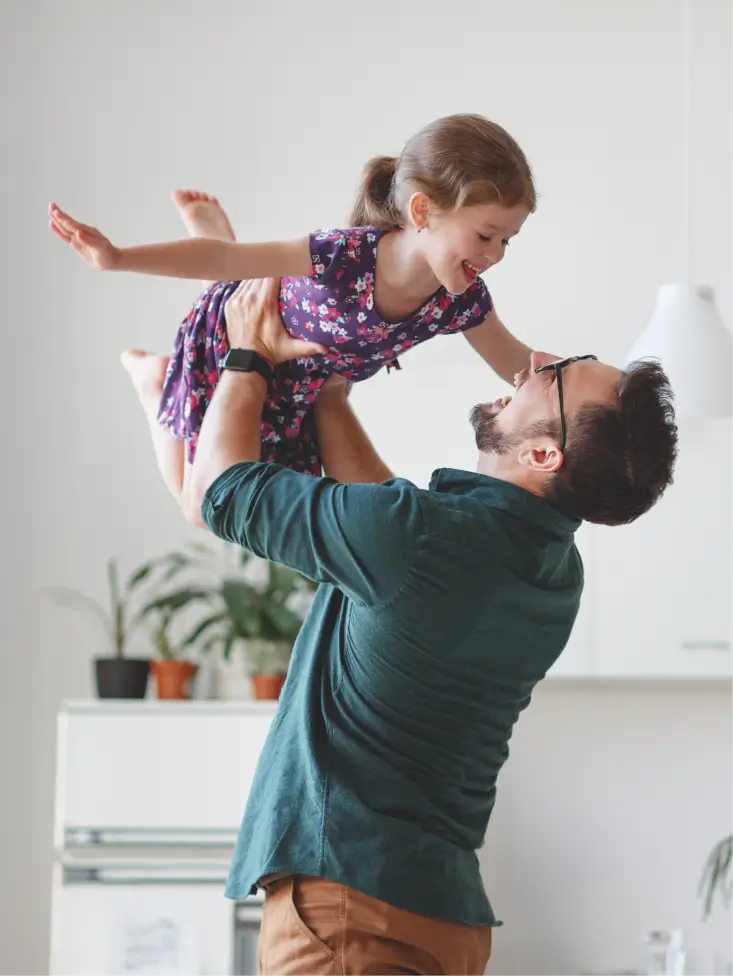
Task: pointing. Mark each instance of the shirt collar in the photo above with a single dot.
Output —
(505, 496)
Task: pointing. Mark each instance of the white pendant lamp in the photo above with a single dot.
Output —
(685, 331)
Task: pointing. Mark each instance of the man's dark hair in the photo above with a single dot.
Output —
(620, 459)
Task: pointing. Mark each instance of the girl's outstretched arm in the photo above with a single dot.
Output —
(498, 347)
(195, 258)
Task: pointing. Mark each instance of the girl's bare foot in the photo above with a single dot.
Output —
(203, 215)
(147, 372)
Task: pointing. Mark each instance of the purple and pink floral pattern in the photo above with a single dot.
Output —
(335, 308)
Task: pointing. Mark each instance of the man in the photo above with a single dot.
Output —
(440, 611)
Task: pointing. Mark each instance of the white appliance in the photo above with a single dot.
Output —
(149, 797)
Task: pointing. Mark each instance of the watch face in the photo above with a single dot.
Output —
(247, 361)
(240, 358)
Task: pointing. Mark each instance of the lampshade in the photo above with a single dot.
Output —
(686, 333)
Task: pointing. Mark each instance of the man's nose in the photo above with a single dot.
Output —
(537, 359)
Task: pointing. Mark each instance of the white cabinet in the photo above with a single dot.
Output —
(149, 798)
(173, 766)
(662, 585)
(576, 661)
(111, 926)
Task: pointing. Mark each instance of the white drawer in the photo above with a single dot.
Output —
(163, 927)
(171, 767)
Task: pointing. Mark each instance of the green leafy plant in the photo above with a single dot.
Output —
(268, 657)
(164, 646)
(116, 620)
(264, 609)
(716, 876)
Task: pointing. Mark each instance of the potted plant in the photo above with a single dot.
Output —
(267, 666)
(716, 876)
(117, 676)
(173, 673)
(251, 604)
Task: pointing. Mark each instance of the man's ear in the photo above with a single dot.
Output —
(542, 456)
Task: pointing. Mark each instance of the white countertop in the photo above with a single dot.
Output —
(152, 706)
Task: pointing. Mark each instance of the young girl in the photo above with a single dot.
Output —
(425, 226)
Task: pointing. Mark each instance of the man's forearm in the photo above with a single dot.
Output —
(230, 431)
(347, 453)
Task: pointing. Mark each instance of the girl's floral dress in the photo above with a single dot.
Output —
(334, 307)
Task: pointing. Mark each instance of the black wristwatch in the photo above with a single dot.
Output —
(247, 361)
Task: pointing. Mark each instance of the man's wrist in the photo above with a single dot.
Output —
(247, 345)
(247, 360)
(249, 381)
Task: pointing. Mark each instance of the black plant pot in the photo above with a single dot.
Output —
(121, 677)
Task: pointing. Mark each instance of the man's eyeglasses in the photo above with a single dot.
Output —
(558, 366)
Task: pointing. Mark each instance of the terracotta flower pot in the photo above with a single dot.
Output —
(267, 687)
(173, 678)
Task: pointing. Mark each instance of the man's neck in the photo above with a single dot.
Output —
(503, 467)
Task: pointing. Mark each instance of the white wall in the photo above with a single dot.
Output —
(112, 104)
(608, 806)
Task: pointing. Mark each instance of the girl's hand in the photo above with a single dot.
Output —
(88, 242)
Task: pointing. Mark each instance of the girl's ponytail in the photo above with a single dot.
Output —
(456, 161)
(374, 205)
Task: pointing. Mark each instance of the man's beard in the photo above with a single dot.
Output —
(490, 439)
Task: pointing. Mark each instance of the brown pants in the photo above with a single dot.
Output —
(315, 927)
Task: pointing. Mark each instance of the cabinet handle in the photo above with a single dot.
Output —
(706, 645)
(99, 837)
(246, 914)
(140, 876)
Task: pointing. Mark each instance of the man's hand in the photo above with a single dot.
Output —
(336, 387)
(91, 245)
(253, 322)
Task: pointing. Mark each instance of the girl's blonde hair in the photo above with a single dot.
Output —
(457, 161)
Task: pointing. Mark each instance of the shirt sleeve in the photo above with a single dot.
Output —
(478, 305)
(328, 251)
(360, 538)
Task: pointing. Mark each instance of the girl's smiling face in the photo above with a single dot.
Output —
(460, 245)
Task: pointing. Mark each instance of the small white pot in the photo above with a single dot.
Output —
(231, 678)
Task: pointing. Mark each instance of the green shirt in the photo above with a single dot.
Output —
(439, 612)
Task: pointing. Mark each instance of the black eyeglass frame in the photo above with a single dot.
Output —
(558, 366)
